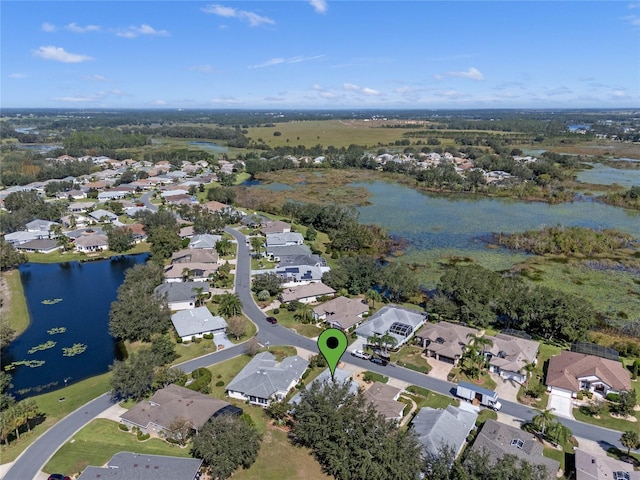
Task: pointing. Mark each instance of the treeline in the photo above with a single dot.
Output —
(627, 199)
(176, 156)
(104, 138)
(234, 137)
(479, 297)
(23, 207)
(15, 416)
(561, 240)
(23, 167)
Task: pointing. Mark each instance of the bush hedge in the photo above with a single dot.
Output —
(202, 380)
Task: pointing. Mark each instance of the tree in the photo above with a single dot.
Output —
(372, 296)
(267, 281)
(626, 403)
(399, 282)
(163, 350)
(304, 313)
(630, 440)
(236, 326)
(9, 256)
(164, 242)
(225, 443)
(543, 420)
(224, 247)
(180, 430)
(132, 378)
(120, 239)
(251, 346)
(229, 305)
(6, 333)
(279, 411)
(257, 244)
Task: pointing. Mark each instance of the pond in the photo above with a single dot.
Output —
(77, 298)
(436, 227)
(210, 146)
(604, 175)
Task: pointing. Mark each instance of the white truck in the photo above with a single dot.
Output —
(485, 397)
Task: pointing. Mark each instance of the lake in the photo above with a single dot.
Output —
(439, 226)
(604, 175)
(210, 146)
(87, 290)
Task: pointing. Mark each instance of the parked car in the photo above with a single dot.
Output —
(272, 320)
(361, 354)
(379, 361)
(58, 476)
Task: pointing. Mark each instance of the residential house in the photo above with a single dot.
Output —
(44, 245)
(204, 240)
(74, 194)
(200, 255)
(497, 439)
(139, 233)
(263, 379)
(398, 322)
(292, 276)
(189, 272)
(437, 428)
(445, 341)
(80, 207)
(214, 206)
(112, 195)
(307, 293)
(101, 215)
(74, 221)
(41, 226)
(144, 467)
(186, 232)
(179, 295)
(253, 220)
(92, 243)
(155, 415)
(384, 399)
(570, 372)
(340, 376)
(278, 254)
(602, 467)
(508, 356)
(197, 322)
(284, 239)
(341, 312)
(276, 226)
(173, 192)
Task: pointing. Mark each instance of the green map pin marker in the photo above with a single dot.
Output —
(332, 343)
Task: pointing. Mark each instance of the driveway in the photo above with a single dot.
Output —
(222, 341)
(507, 389)
(560, 405)
(439, 370)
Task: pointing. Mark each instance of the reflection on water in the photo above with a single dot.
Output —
(604, 175)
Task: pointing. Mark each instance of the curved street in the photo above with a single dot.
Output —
(35, 456)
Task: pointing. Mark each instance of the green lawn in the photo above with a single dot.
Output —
(287, 319)
(97, 442)
(57, 257)
(558, 455)
(18, 315)
(410, 356)
(53, 409)
(427, 398)
(607, 421)
(537, 377)
(376, 377)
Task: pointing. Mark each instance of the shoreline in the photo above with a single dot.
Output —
(14, 308)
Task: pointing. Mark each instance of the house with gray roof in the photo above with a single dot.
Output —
(44, 245)
(602, 467)
(155, 415)
(292, 276)
(39, 225)
(21, 236)
(135, 466)
(340, 376)
(384, 399)
(101, 215)
(284, 239)
(278, 253)
(204, 240)
(307, 293)
(264, 379)
(508, 356)
(399, 322)
(112, 195)
(436, 428)
(197, 322)
(342, 312)
(191, 271)
(91, 243)
(276, 226)
(497, 439)
(179, 295)
(191, 255)
(445, 341)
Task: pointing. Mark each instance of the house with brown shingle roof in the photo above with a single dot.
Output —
(384, 398)
(276, 226)
(571, 372)
(341, 312)
(445, 341)
(154, 416)
(601, 467)
(508, 356)
(307, 293)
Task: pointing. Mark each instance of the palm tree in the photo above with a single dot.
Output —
(30, 409)
(223, 247)
(543, 420)
(256, 244)
(230, 305)
(529, 368)
(559, 432)
(201, 295)
(630, 440)
(373, 296)
(388, 341)
(476, 349)
(304, 313)
(375, 340)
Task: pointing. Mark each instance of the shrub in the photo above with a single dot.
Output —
(613, 397)
(220, 384)
(142, 438)
(202, 380)
(579, 396)
(208, 336)
(276, 311)
(263, 295)
(123, 427)
(179, 340)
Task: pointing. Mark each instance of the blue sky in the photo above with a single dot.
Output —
(320, 54)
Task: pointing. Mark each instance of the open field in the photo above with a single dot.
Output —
(96, 443)
(54, 409)
(14, 305)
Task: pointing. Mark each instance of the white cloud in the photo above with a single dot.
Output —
(97, 78)
(144, 29)
(453, 94)
(82, 98)
(74, 27)
(59, 54)
(471, 73)
(363, 90)
(632, 20)
(633, 5)
(224, 101)
(253, 19)
(437, 76)
(48, 27)
(278, 61)
(18, 75)
(159, 102)
(203, 69)
(618, 94)
(320, 6)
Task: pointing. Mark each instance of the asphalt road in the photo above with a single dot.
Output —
(35, 457)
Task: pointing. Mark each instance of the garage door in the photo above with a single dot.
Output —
(561, 392)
